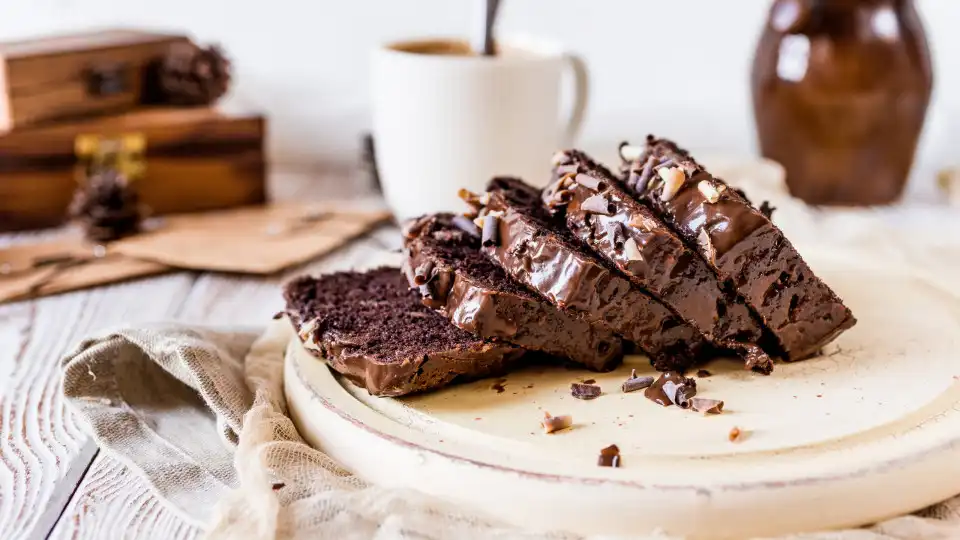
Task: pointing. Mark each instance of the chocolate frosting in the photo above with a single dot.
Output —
(743, 246)
(656, 260)
(539, 252)
(478, 297)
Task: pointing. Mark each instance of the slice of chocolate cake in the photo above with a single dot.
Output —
(742, 245)
(374, 330)
(538, 251)
(444, 262)
(605, 217)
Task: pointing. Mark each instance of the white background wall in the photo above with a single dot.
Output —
(305, 61)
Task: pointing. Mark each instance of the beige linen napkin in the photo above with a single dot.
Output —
(200, 414)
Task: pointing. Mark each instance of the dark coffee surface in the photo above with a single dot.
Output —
(375, 331)
(477, 296)
(540, 252)
(744, 247)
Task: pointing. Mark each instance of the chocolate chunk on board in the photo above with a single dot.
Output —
(746, 249)
(609, 456)
(538, 251)
(585, 391)
(671, 388)
(630, 236)
(477, 296)
(375, 331)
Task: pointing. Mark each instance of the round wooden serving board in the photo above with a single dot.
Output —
(869, 430)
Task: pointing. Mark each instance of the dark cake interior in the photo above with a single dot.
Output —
(373, 329)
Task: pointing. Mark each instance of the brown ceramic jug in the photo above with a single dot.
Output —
(840, 92)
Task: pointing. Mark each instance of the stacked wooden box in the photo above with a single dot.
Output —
(66, 100)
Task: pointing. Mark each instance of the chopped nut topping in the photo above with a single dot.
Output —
(706, 246)
(555, 423)
(590, 182)
(629, 152)
(596, 204)
(559, 158)
(706, 405)
(735, 434)
(631, 250)
(673, 179)
(709, 191)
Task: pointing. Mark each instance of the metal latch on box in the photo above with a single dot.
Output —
(126, 153)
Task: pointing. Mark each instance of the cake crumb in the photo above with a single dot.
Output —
(498, 386)
(703, 373)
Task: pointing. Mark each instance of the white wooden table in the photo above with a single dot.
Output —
(54, 481)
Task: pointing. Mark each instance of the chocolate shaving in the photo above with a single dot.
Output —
(560, 197)
(596, 204)
(498, 386)
(423, 273)
(609, 457)
(635, 383)
(590, 182)
(767, 210)
(465, 224)
(645, 176)
(279, 315)
(551, 424)
(614, 231)
(706, 405)
(584, 391)
(703, 373)
(490, 235)
(670, 389)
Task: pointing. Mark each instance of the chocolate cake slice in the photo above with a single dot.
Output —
(742, 245)
(604, 216)
(539, 252)
(375, 331)
(443, 260)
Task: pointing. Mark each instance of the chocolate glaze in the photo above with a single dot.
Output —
(477, 296)
(540, 253)
(374, 330)
(662, 264)
(745, 249)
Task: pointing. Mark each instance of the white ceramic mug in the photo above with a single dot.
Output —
(444, 119)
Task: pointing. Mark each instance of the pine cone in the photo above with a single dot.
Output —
(191, 75)
(106, 206)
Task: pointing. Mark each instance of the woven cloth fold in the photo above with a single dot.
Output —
(200, 414)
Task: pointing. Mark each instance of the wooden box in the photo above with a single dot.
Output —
(76, 75)
(192, 160)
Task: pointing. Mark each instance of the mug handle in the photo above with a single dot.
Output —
(581, 94)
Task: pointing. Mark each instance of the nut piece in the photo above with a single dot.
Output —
(710, 191)
(706, 246)
(555, 423)
(706, 405)
(596, 204)
(673, 179)
(629, 152)
(735, 434)
(631, 250)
